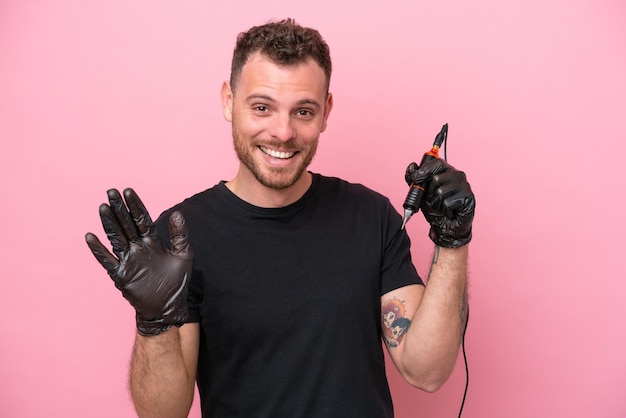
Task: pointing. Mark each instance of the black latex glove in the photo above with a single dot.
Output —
(448, 202)
(152, 278)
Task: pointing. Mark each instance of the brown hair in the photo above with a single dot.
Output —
(285, 43)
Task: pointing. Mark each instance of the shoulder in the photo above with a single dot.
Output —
(338, 185)
(356, 204)
(200, 199)
(341, 189)
(193, 206)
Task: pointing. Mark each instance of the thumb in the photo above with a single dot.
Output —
(179, 235)
(408, 174)
(430, 168)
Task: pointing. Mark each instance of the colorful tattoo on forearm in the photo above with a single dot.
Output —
(395, 324)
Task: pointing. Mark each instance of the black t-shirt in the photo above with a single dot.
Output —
(289, 300)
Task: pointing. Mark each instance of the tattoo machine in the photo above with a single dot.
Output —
(416, 191)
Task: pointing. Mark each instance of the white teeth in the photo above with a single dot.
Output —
(277, 154)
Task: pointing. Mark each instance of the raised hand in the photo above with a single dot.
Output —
(152, 278)
(448, 203)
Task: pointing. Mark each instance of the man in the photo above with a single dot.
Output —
(277, 311)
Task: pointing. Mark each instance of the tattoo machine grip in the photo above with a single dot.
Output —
(416, 191)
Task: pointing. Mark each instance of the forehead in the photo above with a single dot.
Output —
(261, 75)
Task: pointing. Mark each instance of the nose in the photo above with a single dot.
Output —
(282, 127)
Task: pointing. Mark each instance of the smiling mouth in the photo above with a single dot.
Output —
(277, 154)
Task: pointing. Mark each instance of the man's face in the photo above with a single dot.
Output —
(277, 114)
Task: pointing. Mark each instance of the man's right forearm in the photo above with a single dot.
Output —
(161, 384)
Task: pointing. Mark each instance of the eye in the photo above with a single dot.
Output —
(305, 113)
(261, 108)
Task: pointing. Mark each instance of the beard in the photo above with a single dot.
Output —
(277, 178)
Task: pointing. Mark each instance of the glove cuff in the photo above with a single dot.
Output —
(448, 241)
(149, 328)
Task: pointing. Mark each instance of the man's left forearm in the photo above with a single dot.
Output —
(432, 343)
(453, 266)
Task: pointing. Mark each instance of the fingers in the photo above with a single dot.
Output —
(178, 235)
(450, 194)
(415, 174)
(113, 229)
(408, 174)
(124, 221)
(139, 213)
(104, 257)
(430, 168)
(123, 216)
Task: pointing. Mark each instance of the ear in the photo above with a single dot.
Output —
(227, 101)
(328, 106)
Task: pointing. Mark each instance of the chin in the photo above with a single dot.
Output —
(280, 181)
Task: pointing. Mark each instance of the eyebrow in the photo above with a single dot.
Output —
(267, 98)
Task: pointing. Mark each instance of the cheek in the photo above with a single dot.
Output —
(308, 133)
(247, 126)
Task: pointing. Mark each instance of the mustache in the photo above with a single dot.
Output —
(277, 144)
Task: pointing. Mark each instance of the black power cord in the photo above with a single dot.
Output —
(465, 361)
(411, 205)
(445, 157)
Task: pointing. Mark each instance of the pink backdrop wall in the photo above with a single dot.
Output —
(125, 93)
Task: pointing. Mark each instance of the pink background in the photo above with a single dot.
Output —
(100, 94)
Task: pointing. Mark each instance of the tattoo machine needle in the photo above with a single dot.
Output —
(416, 191)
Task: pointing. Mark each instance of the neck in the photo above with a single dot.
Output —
(246, 187)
